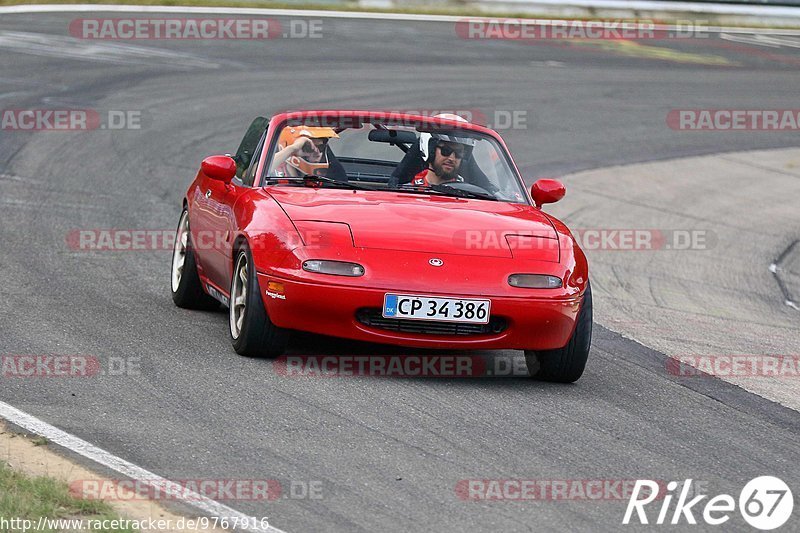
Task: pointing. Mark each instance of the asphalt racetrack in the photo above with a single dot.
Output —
(388, 454)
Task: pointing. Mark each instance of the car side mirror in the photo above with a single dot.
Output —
(219, 167)
(547, 191)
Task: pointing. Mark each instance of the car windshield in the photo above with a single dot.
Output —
(416, 159)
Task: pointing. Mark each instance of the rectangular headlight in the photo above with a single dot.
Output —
(534, 281)
(336, 268)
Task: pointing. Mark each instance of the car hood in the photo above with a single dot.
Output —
(424, 223)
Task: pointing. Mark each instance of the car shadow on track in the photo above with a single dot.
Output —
(313, 355)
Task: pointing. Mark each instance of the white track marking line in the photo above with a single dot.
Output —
(208, 506)
(122, 53)
(362, 15)
(762, 40)
(747, 39)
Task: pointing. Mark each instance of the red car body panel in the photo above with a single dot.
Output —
(397, 221)
(393, 236)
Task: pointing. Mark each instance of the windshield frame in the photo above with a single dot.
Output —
(355, 119)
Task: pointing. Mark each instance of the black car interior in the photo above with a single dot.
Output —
(376, 172)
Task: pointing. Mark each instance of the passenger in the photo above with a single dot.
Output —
(304, 151)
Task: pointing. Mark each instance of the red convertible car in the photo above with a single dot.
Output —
(383, 227)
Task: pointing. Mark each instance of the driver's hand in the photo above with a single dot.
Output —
(304, 144)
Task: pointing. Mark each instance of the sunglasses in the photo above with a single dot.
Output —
(446, 151)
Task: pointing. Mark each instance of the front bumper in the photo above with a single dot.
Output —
(531, 323)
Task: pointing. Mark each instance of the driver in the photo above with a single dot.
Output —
(443, 155)
(418, 158)
(303, 151)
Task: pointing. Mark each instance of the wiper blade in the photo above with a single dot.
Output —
(416, 189)
(463, 193)
(309, 180)
(443, 190)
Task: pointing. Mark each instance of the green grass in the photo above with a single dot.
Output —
(29, 498)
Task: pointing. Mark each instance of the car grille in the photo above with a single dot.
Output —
(373, 318)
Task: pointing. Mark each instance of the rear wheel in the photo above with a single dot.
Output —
(187, 290)
(565, 365)
(252, 332)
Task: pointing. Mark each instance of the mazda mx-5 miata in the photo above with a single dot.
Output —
(382, 227)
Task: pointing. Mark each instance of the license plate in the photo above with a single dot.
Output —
(441, 309)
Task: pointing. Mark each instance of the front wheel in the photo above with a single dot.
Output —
(565, 365)
(252, 332)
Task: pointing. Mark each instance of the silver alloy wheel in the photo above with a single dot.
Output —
(179, 251)
(238, 305)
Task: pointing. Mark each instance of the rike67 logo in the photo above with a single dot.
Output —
(765, 503)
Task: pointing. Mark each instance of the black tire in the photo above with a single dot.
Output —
(187, 290)
(565, 365)
(258, 336)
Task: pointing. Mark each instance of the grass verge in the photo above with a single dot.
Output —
(30, 498)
